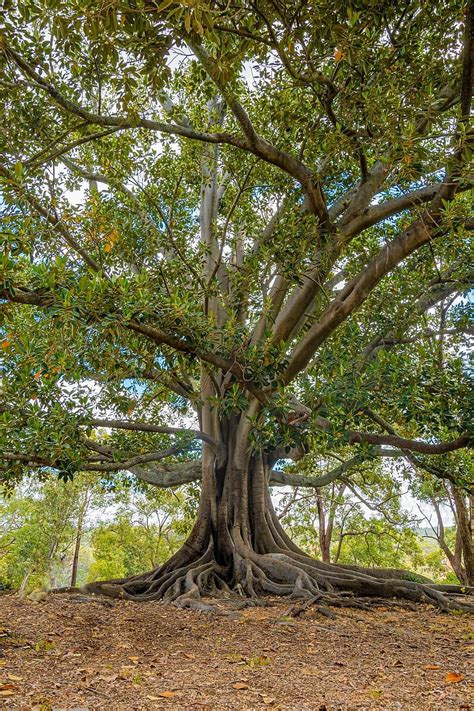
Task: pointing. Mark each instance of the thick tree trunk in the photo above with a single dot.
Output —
(238, 549)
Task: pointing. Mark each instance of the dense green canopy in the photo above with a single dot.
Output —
(273, 193)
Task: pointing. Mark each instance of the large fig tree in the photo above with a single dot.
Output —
(234, 234)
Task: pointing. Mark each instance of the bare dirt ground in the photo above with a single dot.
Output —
(60, 655)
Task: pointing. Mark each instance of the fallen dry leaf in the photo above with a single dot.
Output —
(167, 694)
(268, 700)
(240, 685)
(432, 666)
(7, 692)
(453, 677)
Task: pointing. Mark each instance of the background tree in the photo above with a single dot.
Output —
(456, 542)
(355, 520)
(39, 532)
(274, 197)
(147, 528)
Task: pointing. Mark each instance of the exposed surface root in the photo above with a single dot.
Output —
(189, 580)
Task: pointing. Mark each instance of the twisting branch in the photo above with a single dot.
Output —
(91, 465)
(165, 476)
(133, 461)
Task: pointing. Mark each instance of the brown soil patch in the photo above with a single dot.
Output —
(60, 655)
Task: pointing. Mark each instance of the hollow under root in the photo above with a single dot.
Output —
(193, 583)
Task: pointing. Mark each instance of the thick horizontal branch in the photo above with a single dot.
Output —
(32, 460)
(176, 475)
(89, 465)
(441, 473)
(169, 475)
(132, 461)
(411, 445)
(282, 478)
(20, 295)
(391, 439)
(377, 213)
(147, 427)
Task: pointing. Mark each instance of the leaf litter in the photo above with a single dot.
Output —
(134, 657)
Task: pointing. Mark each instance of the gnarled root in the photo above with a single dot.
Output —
(189, 580)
